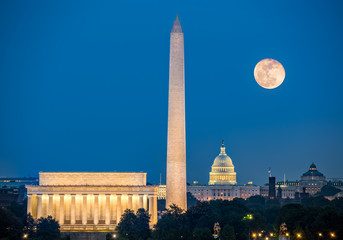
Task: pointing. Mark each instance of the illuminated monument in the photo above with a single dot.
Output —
(223, 171)
(176, 149)
(90, 201)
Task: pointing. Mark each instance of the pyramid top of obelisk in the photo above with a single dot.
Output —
(176, 26)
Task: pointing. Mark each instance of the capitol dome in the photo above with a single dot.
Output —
(222, 171)
(222, 160)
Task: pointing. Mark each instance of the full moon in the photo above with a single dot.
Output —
(269, 73)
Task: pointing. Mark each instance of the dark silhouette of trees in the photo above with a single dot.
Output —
(10, 225)
(228, 233)
(307, 219)
(30, 227)
(15, 224)
(202, 234)
(134, 226)
(172, 225)
(236, 218)
(48, 229)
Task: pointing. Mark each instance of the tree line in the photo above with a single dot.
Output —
(253, 218)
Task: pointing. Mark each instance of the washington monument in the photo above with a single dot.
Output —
(176, 149)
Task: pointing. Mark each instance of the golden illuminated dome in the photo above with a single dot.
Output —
(223, 171)
(222, 160)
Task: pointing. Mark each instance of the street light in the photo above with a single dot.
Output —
(287, 234)
(254, 235)
(332, 235)
(248, 218)
(271, 234)
(299, 235)
(320, 234)
(114, 235)
(25, 236)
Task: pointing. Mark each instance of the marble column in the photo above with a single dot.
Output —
(107, 210)
(56, 203)
(45, 202)
(78, 208)
(29, 204)
(154, 217)
(90, 204)
(61, 219)
(39, 206)
(119, 209)
(129, 202)
(96, 209)
(50, 206)
(145, 202)
(113, 208)
(72, 210)
(151, 206)
(84, 209)
(141, 201)
(34, 205)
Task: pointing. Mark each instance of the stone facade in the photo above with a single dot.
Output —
(94, 207)
(223, 192)
(176, 148)
(162, 193)
(92, 178)
(312, 180)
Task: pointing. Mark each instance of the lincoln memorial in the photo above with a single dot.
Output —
(90, 201)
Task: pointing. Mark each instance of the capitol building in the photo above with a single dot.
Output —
(223, 171)
(222, 182)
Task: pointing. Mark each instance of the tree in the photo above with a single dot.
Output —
(294, 215)
(30, 226)
(315, 202)
(126, 226)
(142, 224)
(48, 229)
(173, 225)
(134, 226)
(10, 225)
(227, 233)
(19, 210)
(256, 203)
(318, 215)
(271, 215)
(202, 234)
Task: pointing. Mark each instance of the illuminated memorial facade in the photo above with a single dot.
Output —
(90, 201)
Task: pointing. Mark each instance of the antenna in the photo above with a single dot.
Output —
(270, 172)
(160, 178)
(284, 179)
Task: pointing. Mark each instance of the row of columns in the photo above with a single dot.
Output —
(89, 208)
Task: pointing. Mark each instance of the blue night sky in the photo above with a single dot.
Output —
(84, 86)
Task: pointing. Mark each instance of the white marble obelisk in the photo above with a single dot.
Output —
(176, 149)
